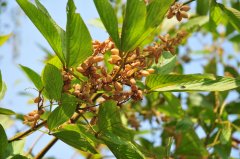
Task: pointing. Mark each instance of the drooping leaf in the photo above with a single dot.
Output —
(165, 64)
(63, 112)
(4, 38)
(3, 91)
(133, 24)
(178, 83)
(174, 106)
(195, 22)
(73, 135)
(3, 142)
(202, 7)
(109, 120)
(33, 76)
(19, 157)
(45, 25)
(233, 16)
(121, 148)
(226, 133)
(15, 148)
(216, 15)
(224, 151)
(52, 81)
(79, 41)
(109, 19)
(1, 81)
(189, 145)
(5, 111)
(156, 12)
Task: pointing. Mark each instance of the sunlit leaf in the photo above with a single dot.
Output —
(52, 81)
(79, 41)
(109, 19)
(226, 133)
(179, 83)
(45, 25)
(4, 38)
(63, 112)
(73, 135)
(3, 142)
(5, 111)
(33, 76)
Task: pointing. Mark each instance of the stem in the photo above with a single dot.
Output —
(45, 149)
(33, 145)
(28, 132)
(188, 2)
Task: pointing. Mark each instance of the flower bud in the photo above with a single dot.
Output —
(37, 100)
(97, 59)
(118, 86)
(151, 70)
(80, 69)
(115, 51)
(144, 73)
(132, 81)
(185, 8)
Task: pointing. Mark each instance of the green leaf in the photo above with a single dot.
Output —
(52, 81)
(193, 82)
(33, 76)
(156, 12)
(19, 157)
(224, 151)
(121, 148)
(4, 38)
(174, 106)
(184, 125)
(76, 136)
(3, 91)
(226, 133)
(5, 111)
(63, 112)
(45, 25)
(15, 148)
(133, 24)
(216, 15)
(109, 66)
(3, 142)
(195, 22)
(233, 17)
(166, 63)
(109, 19)
(1, 81)
(79, 41)
(202, 7)
(190, 145)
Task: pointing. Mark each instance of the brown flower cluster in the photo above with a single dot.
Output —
(179, 10)
(119, 83)
(167, 44)
(67, 78)
(32, 117)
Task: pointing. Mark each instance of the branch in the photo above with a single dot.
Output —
(45, 149)
(188, 2)
(28, 132)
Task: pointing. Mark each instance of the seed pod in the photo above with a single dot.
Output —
(132, 81)
(179, 17)
(97, 59)
(37, 100)
(136, 64)
(77, 87)
(185, 8)
(115, 51)
(96, 76)
(80, 69)
(184, 14)
(118, 86)
(84, 66)
(116, 57)
(29, 118)
(131, 72)
(116, 67)
(107, 87)
(170, 14)
(103, 71)
(41, 111)
(151, 70)
(32, 113)
(77, 92)
(109, 78)
(105, 96)
(134, 88)
(36, 116)
(144, 73)
(128, 67)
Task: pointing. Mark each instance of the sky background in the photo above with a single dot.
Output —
(31, 56)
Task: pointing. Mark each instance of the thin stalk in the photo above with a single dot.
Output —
(188, 2)
(33, 145)
(28, 132)
(45, 149)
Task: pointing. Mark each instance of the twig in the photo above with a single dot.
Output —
(33, 145)
(28, 132)
(45, 149)
(188, 2)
